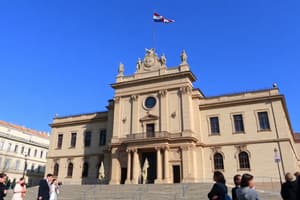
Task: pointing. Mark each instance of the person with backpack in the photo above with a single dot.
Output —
(219, 189)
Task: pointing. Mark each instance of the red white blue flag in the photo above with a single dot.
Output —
(159, 18)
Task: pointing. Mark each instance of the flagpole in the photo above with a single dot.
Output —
(153, 32)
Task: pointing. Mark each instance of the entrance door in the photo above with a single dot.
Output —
(123, 175)
(151, 156)
(176, 173)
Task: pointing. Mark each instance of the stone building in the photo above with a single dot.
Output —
(160, 129)
(23, 152)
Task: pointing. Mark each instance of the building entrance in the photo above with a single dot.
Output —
(176, 174)
(123, 175)
(151, 172)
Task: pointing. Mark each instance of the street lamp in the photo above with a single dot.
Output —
(25, 164)
(277, 160)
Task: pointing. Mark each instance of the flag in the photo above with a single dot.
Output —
(159, 18)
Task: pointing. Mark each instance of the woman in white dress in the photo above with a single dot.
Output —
(19, 190)
(54, 190)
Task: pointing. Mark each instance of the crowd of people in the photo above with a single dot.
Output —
(48, 188)
(245, 189)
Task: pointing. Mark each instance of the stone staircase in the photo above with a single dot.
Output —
(196, 191)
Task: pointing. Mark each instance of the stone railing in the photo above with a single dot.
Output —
(136, 136)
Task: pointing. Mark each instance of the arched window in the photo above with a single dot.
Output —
(55, 170)
(244, 160)
(70, 170)
(85, 170)
(218, 161)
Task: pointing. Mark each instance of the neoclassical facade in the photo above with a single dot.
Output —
(160, 129)
(23, 152)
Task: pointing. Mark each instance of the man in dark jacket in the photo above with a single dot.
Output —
(289, 188)
(44, 188)
(3, 189)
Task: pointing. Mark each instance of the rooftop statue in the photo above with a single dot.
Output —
(183, 57)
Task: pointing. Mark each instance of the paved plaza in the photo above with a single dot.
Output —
(138, 192)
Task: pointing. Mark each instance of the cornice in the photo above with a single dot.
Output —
(205, 145)
(78, 122)
(188, 74)
(236, 102)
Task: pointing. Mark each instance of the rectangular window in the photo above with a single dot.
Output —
(16, 148)
(214, 126)
(87, 138)
(9, 147)
(238, 123)
(7, 164)
(41, 154)
(263, 121)
(73, 140)
(59, 141)
(102, 139)
(1, 144)
(35, 153)
(17, 165)
(22, 150)
(150, 130)
(29, 151)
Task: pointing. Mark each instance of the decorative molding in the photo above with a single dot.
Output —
(162, 93)
(117, 99)
(186, 90)
(134, 97)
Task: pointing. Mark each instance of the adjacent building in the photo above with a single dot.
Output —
(23, 152)
(160, 129)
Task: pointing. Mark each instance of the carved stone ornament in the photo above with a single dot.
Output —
(186, 90)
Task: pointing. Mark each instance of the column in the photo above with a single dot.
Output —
(166, 166)
(187, 164)
(115, 167)
(159, 166)
(136, 167)
(134, 114)
(117, 119)
(128, 179)
(187, 110)
(163, 111)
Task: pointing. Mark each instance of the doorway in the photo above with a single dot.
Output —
(151, 172)
(123, 175)
(176, 173)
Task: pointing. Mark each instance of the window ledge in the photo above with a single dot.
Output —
(264, 130)
(239, 132)
(214, 134)
(244, 169)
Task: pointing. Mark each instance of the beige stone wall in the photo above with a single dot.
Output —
(182, 130)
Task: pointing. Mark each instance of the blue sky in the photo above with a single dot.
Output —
(60, 57)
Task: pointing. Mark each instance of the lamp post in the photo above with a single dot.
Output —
(25, 164)
(277, 160)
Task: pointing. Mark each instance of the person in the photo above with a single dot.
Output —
(246, 192)
(237, 182)
(289, 188)
(297, 175)
(219, 189)
(54, 191)
(44, 188)
(19, 190)
(3, 190)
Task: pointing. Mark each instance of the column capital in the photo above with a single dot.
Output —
(117, 99)
(186, 90)
(162, 93)
(158, 148)
(134, 97)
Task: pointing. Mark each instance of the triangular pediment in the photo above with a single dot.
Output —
(149, 117)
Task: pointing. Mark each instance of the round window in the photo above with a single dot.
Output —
(150, 102)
